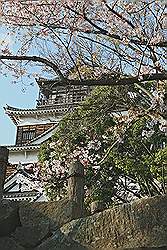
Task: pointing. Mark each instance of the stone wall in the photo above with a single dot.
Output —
(49, 226)
(140, 224)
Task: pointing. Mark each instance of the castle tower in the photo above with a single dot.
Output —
(34, 127)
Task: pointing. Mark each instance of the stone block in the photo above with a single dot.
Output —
(7, 243)
(31, 235)
(58, 241)
(142, 224)
(56, 213)
(9, 218)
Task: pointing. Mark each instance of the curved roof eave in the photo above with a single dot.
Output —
(16, 113)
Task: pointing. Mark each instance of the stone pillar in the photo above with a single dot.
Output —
(76, 187)
(4, 153)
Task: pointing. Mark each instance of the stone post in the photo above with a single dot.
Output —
(76, 188)
(4, 153)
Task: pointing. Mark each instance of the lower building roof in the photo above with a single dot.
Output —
(23, 147)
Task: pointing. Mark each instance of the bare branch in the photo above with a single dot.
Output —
(111, 81)
(105, 32)
(35, 59)
(120, 16)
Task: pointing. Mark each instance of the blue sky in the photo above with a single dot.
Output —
(13, 95)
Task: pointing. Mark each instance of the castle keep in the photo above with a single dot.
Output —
(35, 126)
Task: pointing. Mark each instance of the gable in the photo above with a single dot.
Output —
(22, 186)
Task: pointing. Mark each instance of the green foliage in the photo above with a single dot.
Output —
(140, 157)
(44, 153)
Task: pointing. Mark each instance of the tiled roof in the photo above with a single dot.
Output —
(15, 172)
(21, 194)
(16, 113)
(23, 147)
(32, 194)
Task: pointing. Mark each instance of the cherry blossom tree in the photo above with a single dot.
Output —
(117, 41)
(89, 42)
(92, 42)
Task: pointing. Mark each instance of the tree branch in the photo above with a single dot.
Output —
(100, 30)
(35, 59)
(103, 81)
(110, 80)
(120, 16)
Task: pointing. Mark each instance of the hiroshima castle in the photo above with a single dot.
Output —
(34, 127)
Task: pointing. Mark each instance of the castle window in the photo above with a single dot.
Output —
(25, 134)
(28, 135)
(29, 132)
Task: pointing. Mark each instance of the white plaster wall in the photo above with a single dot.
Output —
(42, 119)
(23, 156)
